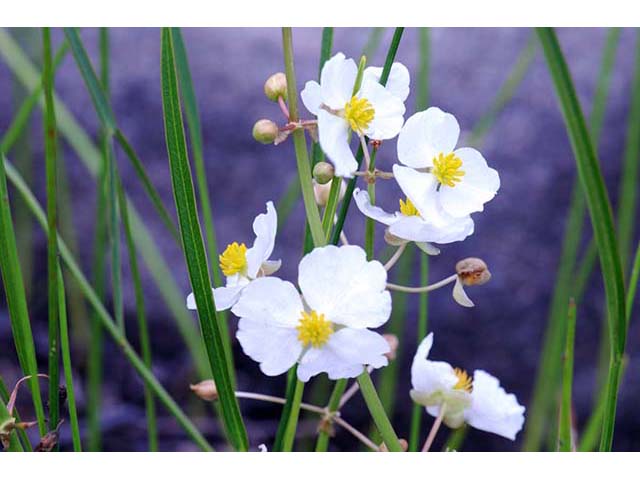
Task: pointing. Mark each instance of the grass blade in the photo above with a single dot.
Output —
(194, 245)
(105, 318)
(601, 218)
(565, 437)
(65, 349)
(51, 151)
(567, 284)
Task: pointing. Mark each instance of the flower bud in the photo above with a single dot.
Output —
(321, 192)
(393, 342)
(323, 172)
(206, 390)
(472, 271)
(265, 131)
(276, 86)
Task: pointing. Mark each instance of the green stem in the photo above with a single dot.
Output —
(291, 426)
(376, 409)
(51, 150)
(565, 438)
(67, 365)
(322, 443)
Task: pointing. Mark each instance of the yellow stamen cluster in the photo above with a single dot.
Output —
(408, 208)
(314, 329)
(234, 259)
(465, 382)
(359, 113)
(446, 169)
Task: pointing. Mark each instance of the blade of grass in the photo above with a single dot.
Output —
(91, 157)
(6, 418)
(143, 329)
(601, 219)
(65, 349)
(548, 378)
(105, 318)
(195, 135)
(565, 437)
(194, 245)
(51, 150)
(376, 409)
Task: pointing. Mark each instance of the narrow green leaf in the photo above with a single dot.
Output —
(601, 218)
(565, 437)
(105, 318)
(376, 409)
(193, 243)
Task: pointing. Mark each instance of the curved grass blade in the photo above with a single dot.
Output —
(567, 284)
(565, 438)
(105, 318)
(601, 219)
(193, 243)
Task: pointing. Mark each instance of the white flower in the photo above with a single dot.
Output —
(242, 265)
(479, 401)
(373, 111)
(397, 83)
(438, 179)
(409, 225)
(326, 329)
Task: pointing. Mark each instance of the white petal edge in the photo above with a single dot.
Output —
(312, 96)
(363, 202)
(460, 296)
(337, 80)
(265, 227)
(397, 83)
(389, 111)
(334, 134)
(271, 301)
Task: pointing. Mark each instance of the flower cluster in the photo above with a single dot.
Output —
(327, 321)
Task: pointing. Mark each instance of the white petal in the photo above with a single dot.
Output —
(416, 229)
(460, 296)
(191, 302)
(269, 267)
(337, 79)
(271, 301)
(421, 189)
(430, 380)
(478, 186)
(397, 83)
(492, 409)
(265, 227)
(226, 297)
(276, 348)
(363, 201)
(428, 248)
(312, 96)
(360, 346)
(389, 111)
(425, 135)
(334, 134)
(342, 284)
(318, 360)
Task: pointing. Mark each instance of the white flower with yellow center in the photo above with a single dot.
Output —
(409, 225)
(372, 111)
(326, 327)
(479, 401)
(241, 265)
(439, 179)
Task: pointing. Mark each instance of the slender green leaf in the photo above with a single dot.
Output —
(601, 218)
(565, 438)
(193, 243)
(376, 409)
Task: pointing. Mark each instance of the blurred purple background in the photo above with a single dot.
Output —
(519, 234)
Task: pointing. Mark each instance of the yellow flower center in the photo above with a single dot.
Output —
(314, 329)
(465, 382)
(359, 113)
(408, 208)
(233, 260)
(447, 169)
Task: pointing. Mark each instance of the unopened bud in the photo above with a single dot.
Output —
(472, 271)
(321, 192)
(403, 444)
(206, 390)
(323, 172)
(265, 131)
(276, 86)
(393, 342)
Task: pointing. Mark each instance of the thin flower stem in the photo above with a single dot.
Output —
(396, 256)
(435, 428)
(344, 239)
(356, 433)
(377, 412)
(353, 389)
(426, 288)
(283, 107)
(365, 151)
(322, 443)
